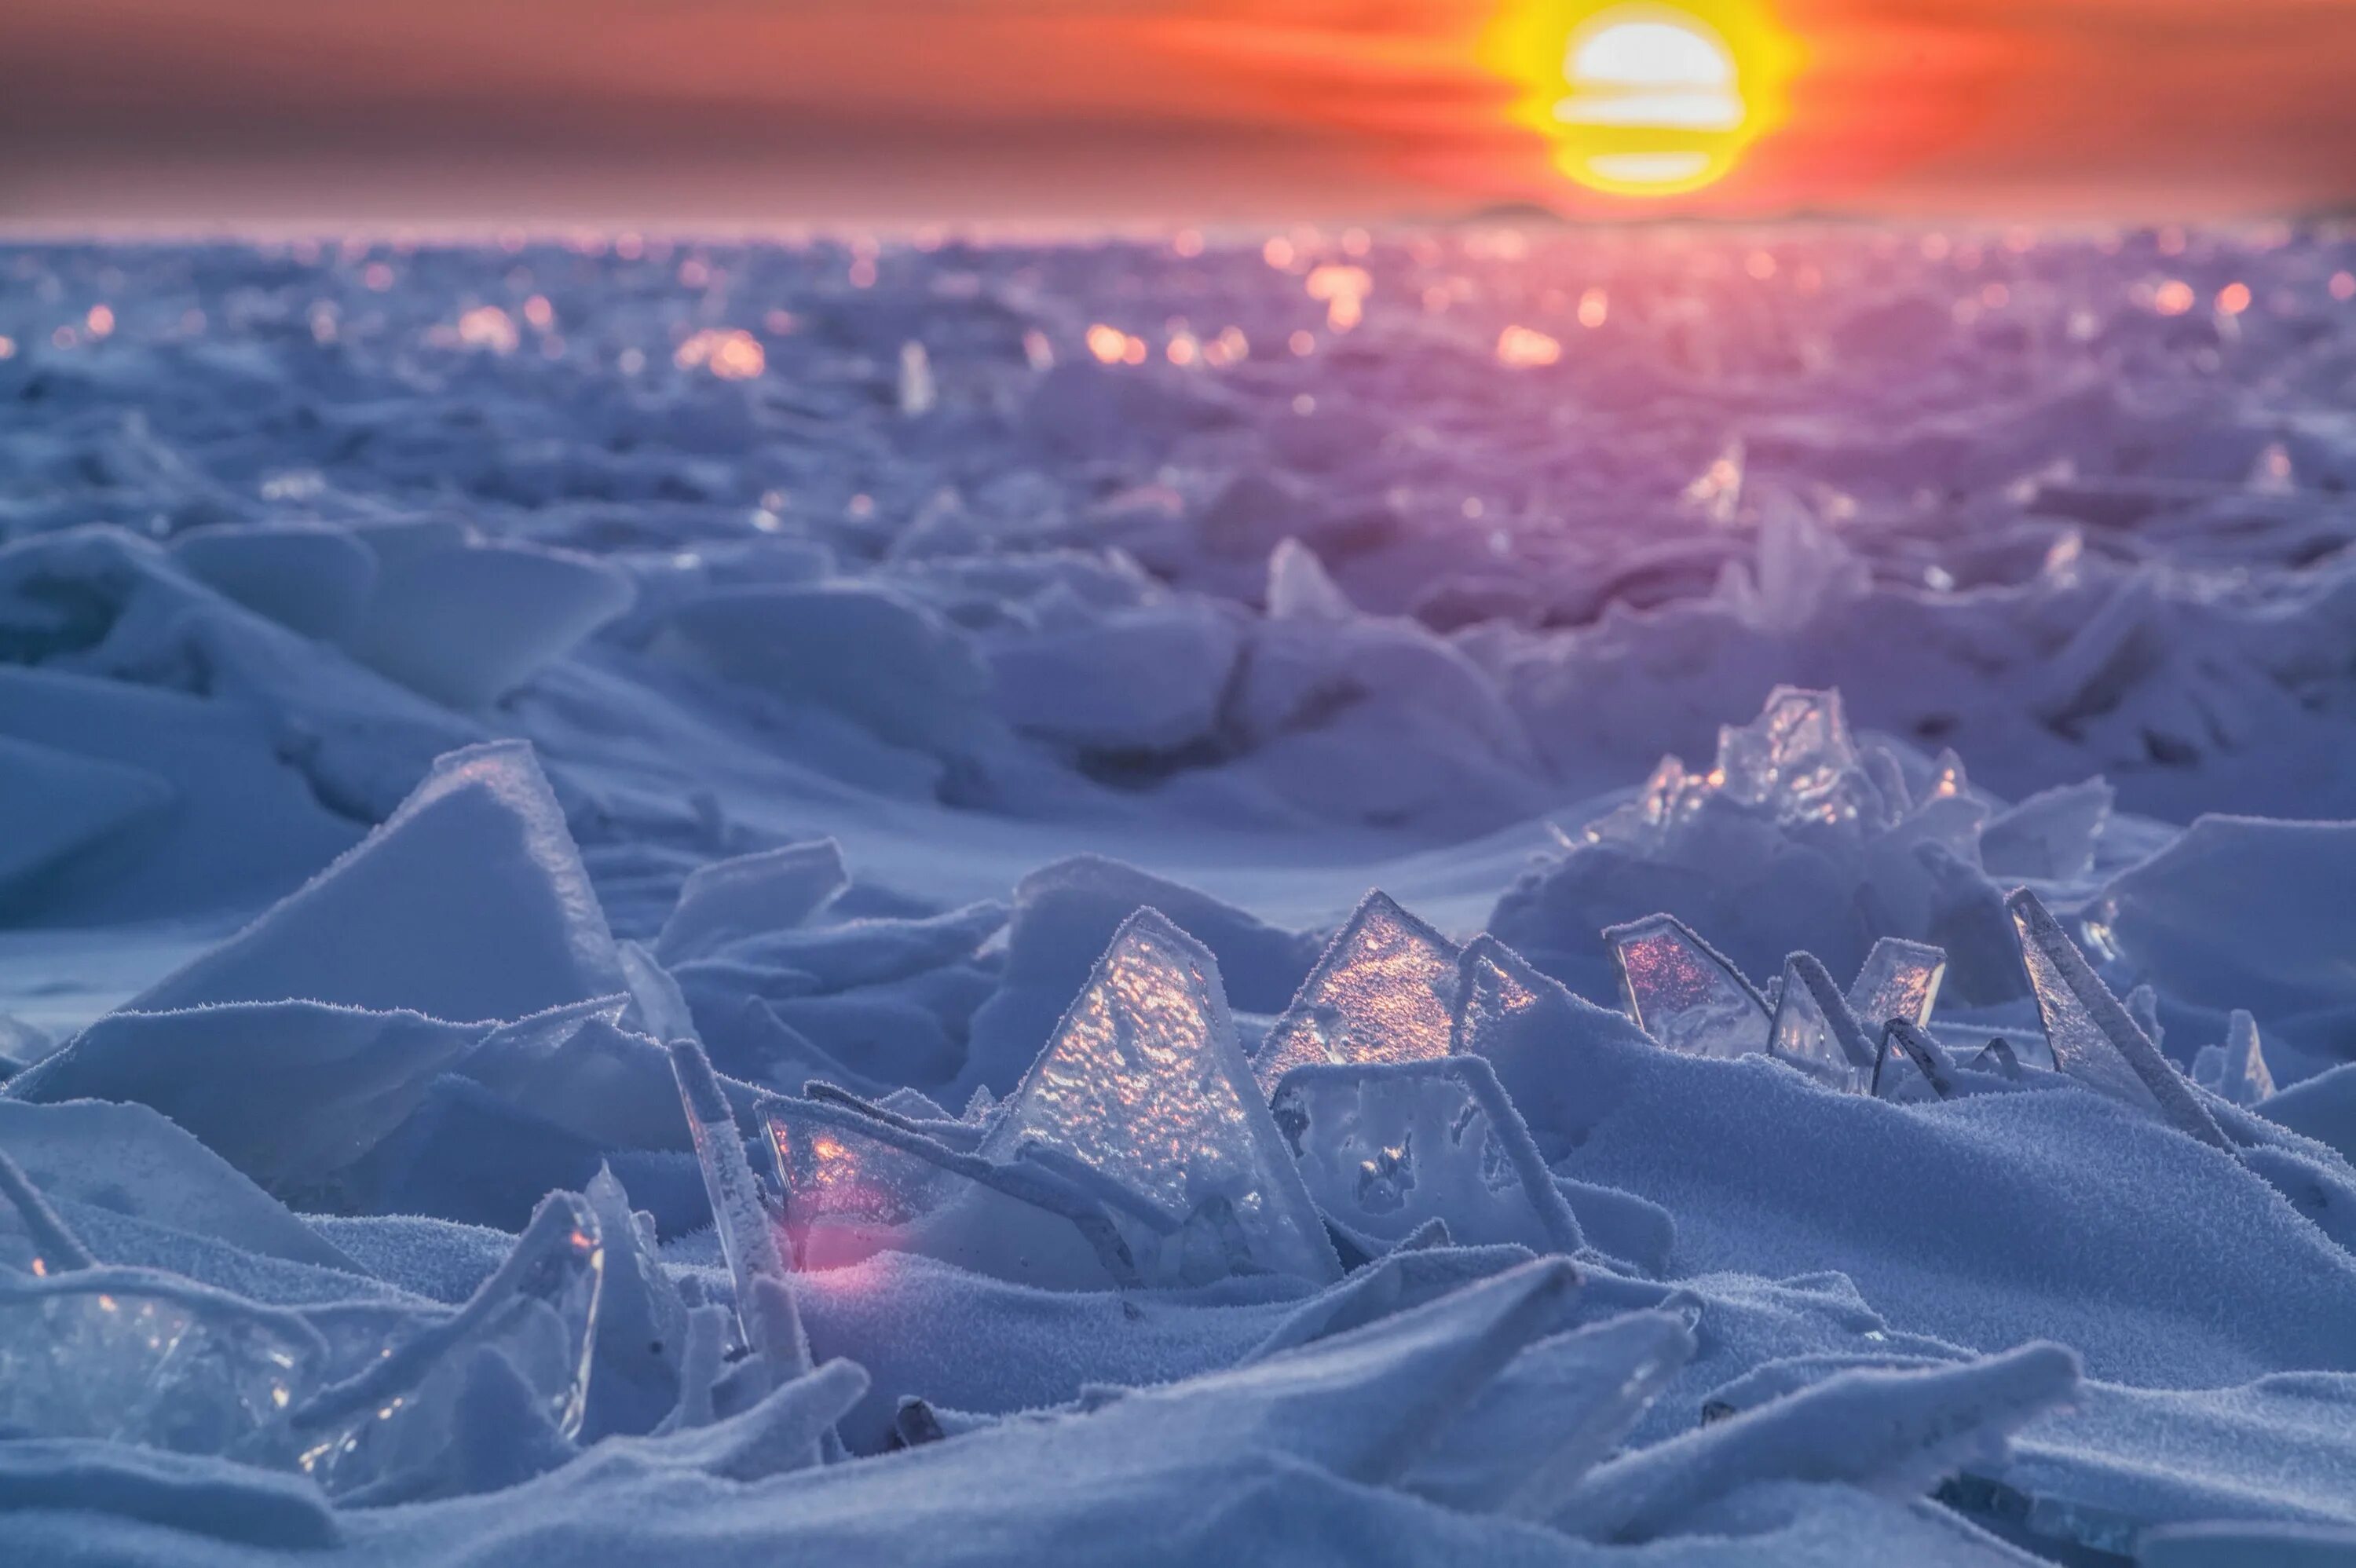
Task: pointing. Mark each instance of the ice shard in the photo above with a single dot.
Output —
(1143, 1083)
(2092, 1035)
(1815, 1031)
(1899, 980)
(139, 1356)
(1389, 1148)
(1553, 1414)
(43, 1243)
(386, 1432)
(1682, 993)
(1384, 991)
(1796, 759)
(1909, 1063)
(855, 1186)
(748, 1241)
(771, 891)
(2236, 1071)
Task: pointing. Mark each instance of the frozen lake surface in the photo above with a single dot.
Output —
(1855, 1060)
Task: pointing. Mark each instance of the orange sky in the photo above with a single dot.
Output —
(757, 111)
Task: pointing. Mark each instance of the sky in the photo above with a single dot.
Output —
(764, 112)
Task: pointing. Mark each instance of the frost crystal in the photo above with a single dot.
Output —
(1143, 1083)
(1682, 993)
(1384, 990)
(1815, 1031)
(1389, 1149)
(2092, 1035)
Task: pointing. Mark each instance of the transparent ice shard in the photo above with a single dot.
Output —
(1682, 993)
(1796, 759)
(1899, 980)
(1384, 990)
(386, 1431)
(1387, 1148)
(144, 1357)
(1815, 1031)
(1642, 824)
(855, 1186)
(748, 1241)
(1910, 1064)
(1557, 1411)
(1947, 777)
(2236, 1071)
(2092, 1035)
(1143, 1083)
(1997, 1057)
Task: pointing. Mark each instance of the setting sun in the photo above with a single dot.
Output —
(1643, 99)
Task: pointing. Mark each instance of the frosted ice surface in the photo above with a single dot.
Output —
(2092, 1038)
(464, 624)
(1552, 1414)
(855, 1186)
(772, 891)
(469, 903)
(748, 1240)
(1899, 980)
(1891, 1432)
(1391, 1147)
(57, 804)
(1815, 1031)
(390, 1428)
(1143, 1081)
(2050, 836)
(1682, 993)
(1384, 990)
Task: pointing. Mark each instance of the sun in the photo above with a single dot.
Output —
(1643, 99)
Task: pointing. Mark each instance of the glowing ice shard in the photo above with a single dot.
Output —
(856, 1186)
(1387, 1148)
(748, 1241)
(1899, 979)
(1815, 1031)
(1643, 823)
(2092, 1038)
(389, 1431)
(1143, 1083)
(1384, 990)
(140, 1356)
(2236, 1071)
(1682, 993)
(1796, 759)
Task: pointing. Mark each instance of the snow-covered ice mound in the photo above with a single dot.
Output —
(660, 904)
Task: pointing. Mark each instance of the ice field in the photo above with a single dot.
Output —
(1463, 895)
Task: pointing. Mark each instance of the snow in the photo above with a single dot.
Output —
(956, 951)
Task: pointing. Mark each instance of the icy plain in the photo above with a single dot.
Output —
(1474, 895)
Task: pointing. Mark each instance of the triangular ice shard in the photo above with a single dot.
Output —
(469, 904)
(1384, 991)
(1682, 993)
(856, 1185)
(1815, 1033)
(1547, 1045)
(1912, 1064)
(1899, 979)
(2092, 1038)
(1389, 1148)
(1144, 1082)
(2236, 1071)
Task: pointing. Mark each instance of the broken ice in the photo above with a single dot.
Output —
(1682, 993)
(1384, 991)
